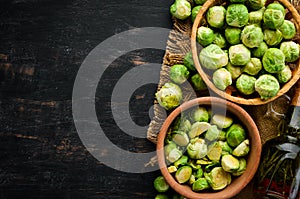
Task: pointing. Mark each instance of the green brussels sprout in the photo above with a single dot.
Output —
(218, 178)
(179, 73)
(212, 133)
(235, 135)
(189, 62)
(273, 60)
(198, 128)
(253, 66)
(220, 40)
(200, 2)
(290, 50)
(235, 71)
(205, 36)
(180, 138)
(277, 6)
(214, 152)
(242, 149)
(273, 18)
(256, 4)
(198, 83)
(174, 155)
(260, 50)
(222, 136)
(226, 149)
(252, 36)
(169, 96)
(183, 160)
(256, 17)
(284, 75)
(272, 37)
(287, 29)
(161, 196)
(267, 86)
(230, 163)
(195, 11)
(181, 9)
(222, 78)
(160, 184)
(241, 169)
(184, 125)
(237, 15)
(200, 114)
(239, 54)
(200, 184)
(213, 57)
(197, 148)
(222, 121)
(215, 16)
(245, 84)
(183, 174)
(199, 173)
(233, 35)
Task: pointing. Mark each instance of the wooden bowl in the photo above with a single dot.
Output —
(231, 93)
(253, 157)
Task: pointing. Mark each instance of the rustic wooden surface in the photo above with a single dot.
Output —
(42, 44)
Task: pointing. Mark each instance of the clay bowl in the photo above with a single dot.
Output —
(231, 92)
(253, 157)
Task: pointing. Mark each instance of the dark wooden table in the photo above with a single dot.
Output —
(42, 45)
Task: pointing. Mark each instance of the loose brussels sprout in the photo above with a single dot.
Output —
(174, 155)
(256, 4)
(233, 35)
(161, 196)
(273, 60)
(242, 149)
(220, 40)
(199, 173)
(184, 125)
(160, 184)
(205, 36)
(181, 9)
(189, 62)
(222, 78)
(179, 73)
(273, 18)
(195, 11)
(230, 163)
(192, 179)
(287, 29)
(222, 121)
(180, 138)
(200, 184)
(216, 16)
(290, 50)
(198, 83)
(253, 66)
(213, 57)
(222, 136)
(226, 149)
(284, 75)
(267, 86)
(183, 160)
(169, 96)
(277, 6)
(200, 2)
(272, 37)
(200, 114)
(236, 134)
(214, 152)
(218, 178)
(235, 71)
(260, 50)
(245, 84)
(197, 148)
(237, 15)
(256, 17)
(198, 128)
(239, 54)
(183, 174)
(172, 169)
(252, 36)
(212, 133)
(241, 169)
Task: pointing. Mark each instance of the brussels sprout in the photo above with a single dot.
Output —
(220, 40)
(272, 37)
(253, 67)
(198, 128)
(218, 178)
(290, 50)
(222, 78)
(287, 29)
(195, 11)
(183, 174)
(273, 18)
(256, 17)
(235, 135)
(213, 57)
(230, 163)
(214, 152)
(256, 4)
(161, 196)
(260, 50)
(284, 75)
(239, 54)
(252, 36)
(245, 84)
(235, 71)
(169, 147)
(198, 83)
(241, 169)
(277, 6)
(222, 136)
(215, 16)
(200, 184)
(211, 166)
(222, 121)
(199, 173)
(184, 125)
(181, 9)
(273, 60)
(189, 62)
(242, 149)
(267, 86)
(212, 133)
(179, 73)
(192, 179)
(160, 184)
(205, 36)
(226, 149)
(174, 155)
(180, 138)
(169, 96)
(200, 2)
(200, 114)
(172, 169)
(233, 35)
(197, 148)
(183, 160)
(237, 15)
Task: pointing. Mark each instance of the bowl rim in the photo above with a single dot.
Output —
(251, 101)
(237, 184)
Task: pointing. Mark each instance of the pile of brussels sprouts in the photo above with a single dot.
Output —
(205, 150)
(246, 44)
